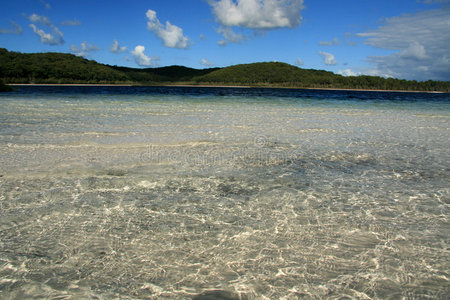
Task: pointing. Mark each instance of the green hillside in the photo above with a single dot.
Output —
(269, 73)
(61, 68)
(54, 68)
(276, 74)
(169, 74)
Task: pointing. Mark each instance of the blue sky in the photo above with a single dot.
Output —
(394, 38)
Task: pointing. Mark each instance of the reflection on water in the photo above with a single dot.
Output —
(163, 193)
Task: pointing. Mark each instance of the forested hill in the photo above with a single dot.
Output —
(284, 75)
(61, 68)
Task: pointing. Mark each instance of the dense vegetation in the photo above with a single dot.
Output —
(60, 68)
(4, 88)
(171, 74)
(285, 75)
(54, 68)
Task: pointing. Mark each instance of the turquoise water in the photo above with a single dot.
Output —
(179, 193)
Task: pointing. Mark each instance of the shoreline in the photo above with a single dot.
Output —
(66, 84)
(221, 86)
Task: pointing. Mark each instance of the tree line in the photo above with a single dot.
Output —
(60, 68)
(285, 75)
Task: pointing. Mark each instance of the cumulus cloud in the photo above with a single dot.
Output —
(333, 42)
(258, 15)
(348, 72)
(16, 29)
(54, 38)
(84, 49)
(299, 62)
(171, 35)
(421, 42)
(328, 58)
(206, 63)
(116, 48)
(140, 58)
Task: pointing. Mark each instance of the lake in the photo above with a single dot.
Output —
(238, 193)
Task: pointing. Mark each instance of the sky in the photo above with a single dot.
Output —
(408, 39)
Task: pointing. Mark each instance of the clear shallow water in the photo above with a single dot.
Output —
(163, 193)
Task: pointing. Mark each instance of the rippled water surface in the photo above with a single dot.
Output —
(203, 193)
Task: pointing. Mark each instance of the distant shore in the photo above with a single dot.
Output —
(65, 84)
(223, 86)
(68, 69)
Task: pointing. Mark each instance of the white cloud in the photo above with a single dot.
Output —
(299, 62)
(115, 48)
(140, 58)
(84, 49)
(34, 18)
(328, 58)
(333, 42)
(259, 15)
(85, 46)
(171, 35)
(47, 38)
(206, 63)
(421, 42)
(55, 38)
(230, 36)
(348, 72)
(16, 29)
(414, 51)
